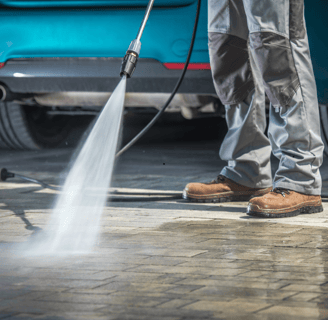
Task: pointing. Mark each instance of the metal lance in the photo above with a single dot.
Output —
(131, 57)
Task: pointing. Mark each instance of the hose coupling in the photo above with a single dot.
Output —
(130, 59)
(5, 174)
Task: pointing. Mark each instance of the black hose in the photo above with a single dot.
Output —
(5, 174)
(144, 199)
(41, 183)
(113, 196)
(177, 86)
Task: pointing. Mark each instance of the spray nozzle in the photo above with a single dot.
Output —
(130, 59)
(5, 174)
(129, 64)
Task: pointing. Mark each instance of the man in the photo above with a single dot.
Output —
(260, 47)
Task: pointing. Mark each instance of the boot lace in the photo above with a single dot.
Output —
(220, 179)
(281, 191)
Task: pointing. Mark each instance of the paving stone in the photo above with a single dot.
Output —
(77, 316)
(160, 260)
(240, 292)
(305, 288)
(44, 306)
(184, 289)
(255, 316)
(68, 283)
(35, 295)
(13, 293)
(217, 263)
(27, 316)
(84, 298)
(137, 287)
(189, 270)
(4, 314)
(175, 303)
(234, 283)
(285, 302)
(304, 296)
(227, 308)
(140, 312)
(296, 312)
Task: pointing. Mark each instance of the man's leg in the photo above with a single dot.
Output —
(245, 147)
(279, 46)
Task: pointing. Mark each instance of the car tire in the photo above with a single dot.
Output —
(30, 128)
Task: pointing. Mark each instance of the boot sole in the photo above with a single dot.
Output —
(304, 210)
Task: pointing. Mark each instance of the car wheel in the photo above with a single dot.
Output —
(31, 128)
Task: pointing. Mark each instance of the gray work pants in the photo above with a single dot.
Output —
(260, 47)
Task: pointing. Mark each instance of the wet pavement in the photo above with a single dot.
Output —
(159, 257)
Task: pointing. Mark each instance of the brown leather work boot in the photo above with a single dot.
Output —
(280, 203)
(221, 189)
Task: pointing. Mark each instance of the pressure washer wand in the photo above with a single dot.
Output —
(131, 57)
(176, 88)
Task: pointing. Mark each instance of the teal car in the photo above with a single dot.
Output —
(60, 60)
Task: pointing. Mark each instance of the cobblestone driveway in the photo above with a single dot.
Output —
(162, 259)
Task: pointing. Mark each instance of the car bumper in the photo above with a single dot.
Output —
(98, 75)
